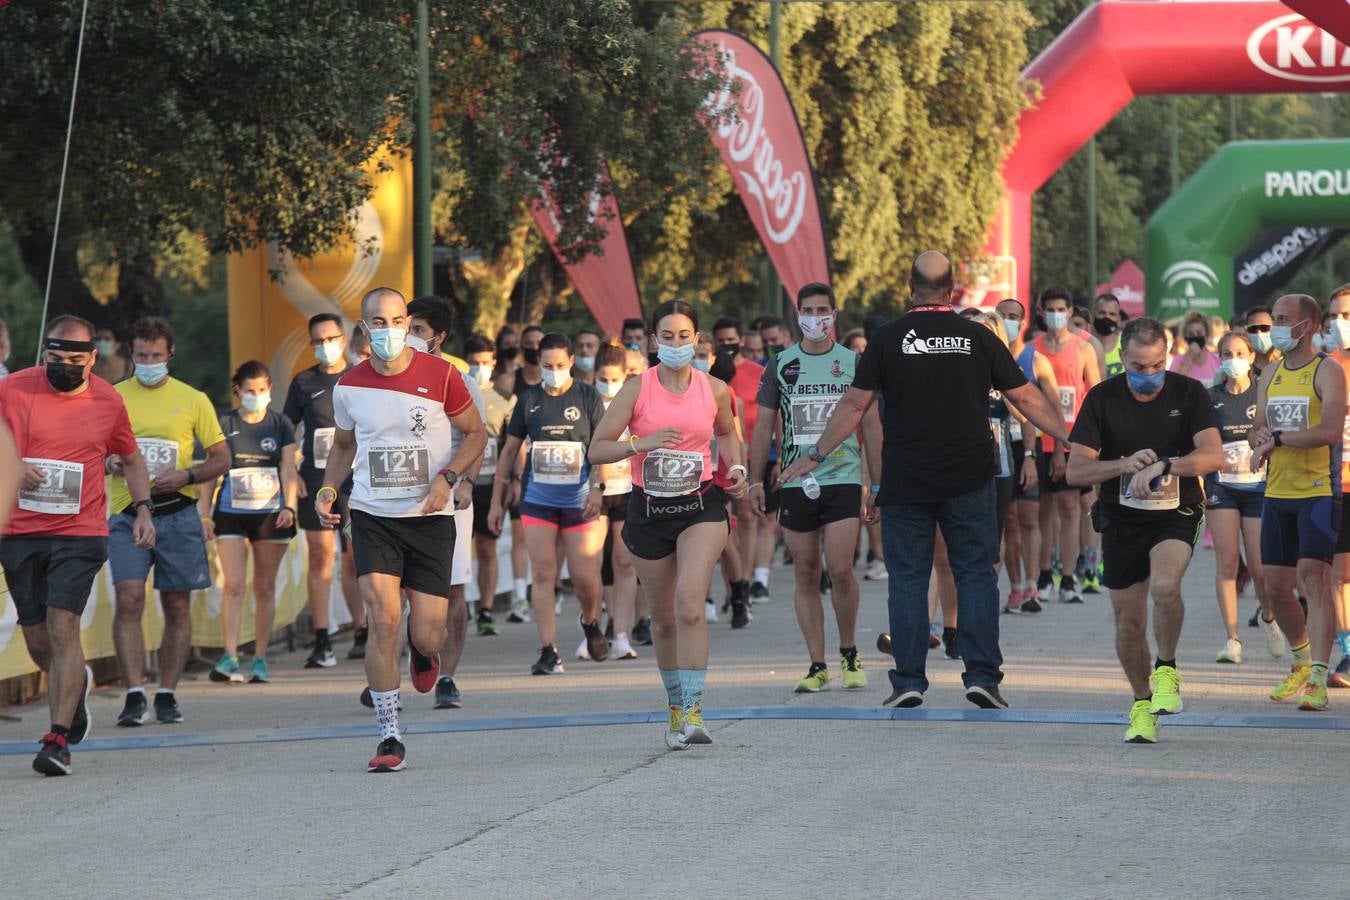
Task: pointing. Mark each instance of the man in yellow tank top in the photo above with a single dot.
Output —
(1300, 414)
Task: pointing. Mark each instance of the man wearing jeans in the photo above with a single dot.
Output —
(938, 469)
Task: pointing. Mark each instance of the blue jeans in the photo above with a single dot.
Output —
(969, 525)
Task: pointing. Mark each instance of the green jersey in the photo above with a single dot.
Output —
(803, 388)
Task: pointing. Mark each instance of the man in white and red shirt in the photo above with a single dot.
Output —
(66, 421)
(394, 415)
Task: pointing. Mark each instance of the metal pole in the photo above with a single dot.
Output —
(773, 289)
(422, 279)
(1173, 138)
(1092, 213)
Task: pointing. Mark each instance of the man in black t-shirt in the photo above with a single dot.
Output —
(935, 370)
(1144, 436)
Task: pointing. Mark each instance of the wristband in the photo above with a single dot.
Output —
(501, 480)
(632, 444)
(874, 489)
(1167, 467)
(1029, 454)
(326, 489)
(744, 473)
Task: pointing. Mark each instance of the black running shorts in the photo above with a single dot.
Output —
(837, 502)
(51, 573)
(1126, 545)
(418, 549)
(654, 524)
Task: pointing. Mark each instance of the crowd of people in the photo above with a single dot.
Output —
(1076, 451)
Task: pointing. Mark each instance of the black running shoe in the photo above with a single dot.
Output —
(321, 657)
(166, 709)
(986, 696)
(550, 663)
(758, 591)
(1255, 620)
(596, 644)
(135, 711)
(949, 643)
(389, 756)
(1030, 604)
(447, 693)
(487, 626)
(358, 650)
(82, 723)
(903, 699)
(642, 632)
(54, 757)
(740, 613)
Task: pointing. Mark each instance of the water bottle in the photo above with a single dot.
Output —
(810, 487)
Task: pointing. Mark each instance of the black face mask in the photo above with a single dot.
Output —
(1104, 326)
(64, 377)
(507, 353)
(530, 355)
(1195, 340)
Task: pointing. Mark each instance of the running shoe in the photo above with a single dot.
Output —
(1293, 683)
(622, 649)
(1029, 603)
(257, 671)
(1231, 652)
(642, 632)
(609, 627)
(710, 611)
(582, 651)
(934, 635)
(321, 657)
(986, 696)
(1256, 617)
(876, 571)
(1068, 590)
(82, 723)
(54, 757)
(1014, 603)
(596, 644)
(135, 710)
(166, 709)
(487, 626)
(759, 593)
(1092, 583)
(674, 734)
(447, 693)
(227, 669)
(1244, 577)
(1314, 696)
(550, 663)
(1275, 642)
(903, 699)
(816, 680)
(694, 731)
(389, 757)
(1166, 683)
(422, 670)
(740, 612)
(1340, 678)
(520, 611)
(1045, 588)
(949, 643)
(1143, 724)
(359, 637)
(854, 676)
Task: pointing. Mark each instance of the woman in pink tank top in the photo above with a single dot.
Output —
(676, 526)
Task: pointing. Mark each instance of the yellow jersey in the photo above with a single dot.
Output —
(166, 421)
(456, 362)
(1293, 404)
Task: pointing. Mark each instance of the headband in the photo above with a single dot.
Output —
(63, 346)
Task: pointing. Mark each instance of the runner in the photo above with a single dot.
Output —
(777, 338)
(734, 570)
(588, 345)
(1235, 496)
(394, 415)
(113, 366)
(634, 333)
(1338, 314)
(1143, 436)
(478, 351)
(1075, 366)
(618, 578)
(561, 496)
(1299, 427)
(1198, 362)
(309, 403)
(529, 373)
(676, 525)
(430, 320)
(57, 540)
(255, 509)
(856, 340)
(800, 387)
(1107, 318)
(167, 417)
(1258, 327)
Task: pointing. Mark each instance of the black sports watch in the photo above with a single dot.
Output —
(136, 505)
(1279, 438)
(450, 476)
(815, 455)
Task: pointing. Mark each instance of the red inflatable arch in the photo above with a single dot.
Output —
(1120, 49)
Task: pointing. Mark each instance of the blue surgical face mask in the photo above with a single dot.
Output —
(387, 343)
(1056, 320)
(481, 374)
(1282, 337)
(634, 346)
(1236, 368)
(1012, 328)
(609, 389)
(585, 363)
(1145, 384)
(1261, 341)
(105, 348)
(676, 357)
(254, 402)
(555, 378)
(151, 374)
(329, 352)
(702, 365)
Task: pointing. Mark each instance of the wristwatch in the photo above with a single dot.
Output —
(136, 505)
(598, 486)
(874, 489)
(815, 455)
(450, 476)
(1279, 438)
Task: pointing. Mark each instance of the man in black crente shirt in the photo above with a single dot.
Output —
(934, 371)
(1144, 436)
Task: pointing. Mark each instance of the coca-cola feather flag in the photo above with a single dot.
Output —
(605, 280)
(764, 148)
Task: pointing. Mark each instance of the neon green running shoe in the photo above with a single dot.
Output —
(1166, 683)
(674, 739)
(1143, 724)
(1293, 683)
(1314, 696)
(814, 682)
(854, 677)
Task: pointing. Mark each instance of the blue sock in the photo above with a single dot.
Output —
(671, 679)
(691, 686)
(1344, 639)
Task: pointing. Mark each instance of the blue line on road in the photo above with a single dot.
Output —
(164, 738)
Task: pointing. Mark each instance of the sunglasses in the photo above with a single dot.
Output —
(1257, 329)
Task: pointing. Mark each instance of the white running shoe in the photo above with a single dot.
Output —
(1275, 643)
(621, 648)
(710, 611)
(520, 610)
(1232, 652)
(876, 571)
(582, 652)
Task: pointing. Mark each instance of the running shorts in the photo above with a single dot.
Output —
(654, 524)
(1126, 545)
(837, 502)
(51, 573)
(415, 548)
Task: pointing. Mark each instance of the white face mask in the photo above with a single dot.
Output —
(415, 342)
(609, 389)
(481, 374)
(1236, 368)
(1056, 321)
(555, 378)
(815, 328)
(329, 352)
(1340, 333)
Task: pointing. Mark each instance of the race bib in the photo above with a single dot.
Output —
(59, 492)
(323, 445)
(1237, 465)
(619, 478)
(488, 467)
(1001, 448)
(1014, 429)
(255, 488)
(1068, 397)
(672, 473)
(161, 456)
(557, 462)
(398, 471)
(809, 416)
(1167, 496)
(1287, 413)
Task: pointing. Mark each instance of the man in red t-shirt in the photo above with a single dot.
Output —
(66, 423)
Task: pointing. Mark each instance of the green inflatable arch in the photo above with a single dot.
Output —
(1194, 237)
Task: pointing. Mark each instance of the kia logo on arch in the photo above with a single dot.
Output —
(1292, 48)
